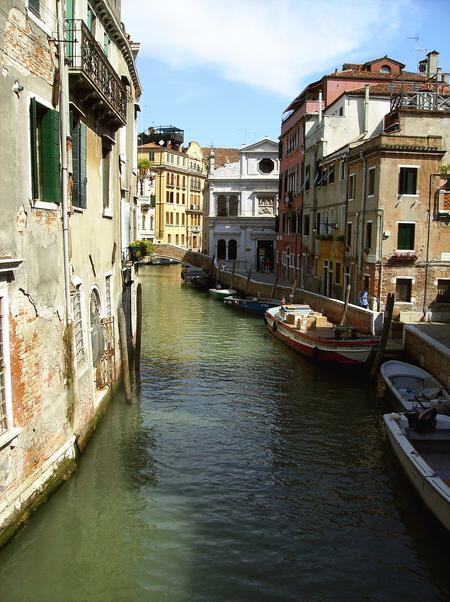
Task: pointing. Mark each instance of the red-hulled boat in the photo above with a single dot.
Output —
(311, 334)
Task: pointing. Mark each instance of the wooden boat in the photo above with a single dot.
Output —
(310, 333)
(221, 293)
(256, 305)
(195, 277)
(425, 457)
(414, 388)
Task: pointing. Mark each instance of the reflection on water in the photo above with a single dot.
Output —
(243, 472)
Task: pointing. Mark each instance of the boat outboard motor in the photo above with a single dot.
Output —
(426, 421)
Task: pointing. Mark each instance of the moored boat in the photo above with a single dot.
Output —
(424, 454)
(195, 277)
(256, 305)
(221, 293)
(414, 388)
(310, 333)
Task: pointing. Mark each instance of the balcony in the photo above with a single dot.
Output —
(94, 84)
(193, 208)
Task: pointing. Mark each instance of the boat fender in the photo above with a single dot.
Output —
(426, 421)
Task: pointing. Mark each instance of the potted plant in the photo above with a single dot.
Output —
(135, 247)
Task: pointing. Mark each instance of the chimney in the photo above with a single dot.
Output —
(211, 161)
(432, 63)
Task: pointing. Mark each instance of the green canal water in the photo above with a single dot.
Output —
(242, 473)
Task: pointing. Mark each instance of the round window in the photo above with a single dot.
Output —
(266, 165)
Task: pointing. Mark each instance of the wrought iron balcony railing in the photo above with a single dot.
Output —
(86, 58)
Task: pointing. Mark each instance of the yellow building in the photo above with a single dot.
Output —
(180, 178)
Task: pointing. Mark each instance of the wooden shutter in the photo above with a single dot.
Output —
(51, 169)
(33, 150)
(79, 166)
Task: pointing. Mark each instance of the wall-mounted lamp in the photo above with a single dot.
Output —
(17, 88)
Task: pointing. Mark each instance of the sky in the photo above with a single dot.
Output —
(225, 70)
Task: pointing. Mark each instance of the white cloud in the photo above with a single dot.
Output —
(269, 44)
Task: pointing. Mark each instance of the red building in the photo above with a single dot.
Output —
(301, 114)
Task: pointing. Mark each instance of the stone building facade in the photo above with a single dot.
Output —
(72, 159)
(241, 204)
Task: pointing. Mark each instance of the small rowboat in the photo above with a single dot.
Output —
(221, 293)
(425, 457)
(310, 333)
(255, 305)
(414, 388)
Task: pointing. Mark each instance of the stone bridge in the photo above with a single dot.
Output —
(198, 259)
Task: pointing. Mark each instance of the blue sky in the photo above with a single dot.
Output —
(224, 70)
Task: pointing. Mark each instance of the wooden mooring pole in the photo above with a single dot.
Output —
(249, 275)
(384, 337)
(274, 287)
(347, 298)
(232, 274)
(124, 354)
(292, 295)
(137, 351)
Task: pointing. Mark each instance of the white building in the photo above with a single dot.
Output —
(241, 207)
(145, 205)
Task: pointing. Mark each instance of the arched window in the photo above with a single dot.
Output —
(222, 206)
(385, 69)
(234, 205)
(232, 250)
(221, 249)
(97, 340)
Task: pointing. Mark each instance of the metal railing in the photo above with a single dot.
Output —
(84, 54)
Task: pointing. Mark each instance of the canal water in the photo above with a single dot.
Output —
(243, 472)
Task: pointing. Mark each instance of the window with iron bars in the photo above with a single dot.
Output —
(80, 352)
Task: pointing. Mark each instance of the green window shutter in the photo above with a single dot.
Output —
(406, 237)
(79, 166)
(33, 150)
(51, 170)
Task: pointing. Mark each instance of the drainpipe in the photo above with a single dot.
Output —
(425, 285)
(366, 109)
(360, 233)
(320, 106)
(380, 214)
(63, 131)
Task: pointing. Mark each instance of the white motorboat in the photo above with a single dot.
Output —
(424, 454)
(221, 293)
(414, 388)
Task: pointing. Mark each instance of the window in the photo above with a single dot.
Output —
(403, 290)
(341, 170)
(331, 174)
(341, 111)
(33, 5)
(6, 422)
(234, 206)
(80, 352)
(106, 171)
(407, 180)
(369, 235)
(221, 206)
(349, 234)
(91, 19)
(79, 174)
(232, 250)
(306, 224)
(177, 239)
(266, 165)
(443, 291)
(307, 182)
(169, 238)
(385, 69)
(106, 43)
(221, 249)
(351, 186)
(405, 238)
(182, 219)
(108, 295)
(45, 161)
(371, 181)
(177, 219)
(337, 273)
